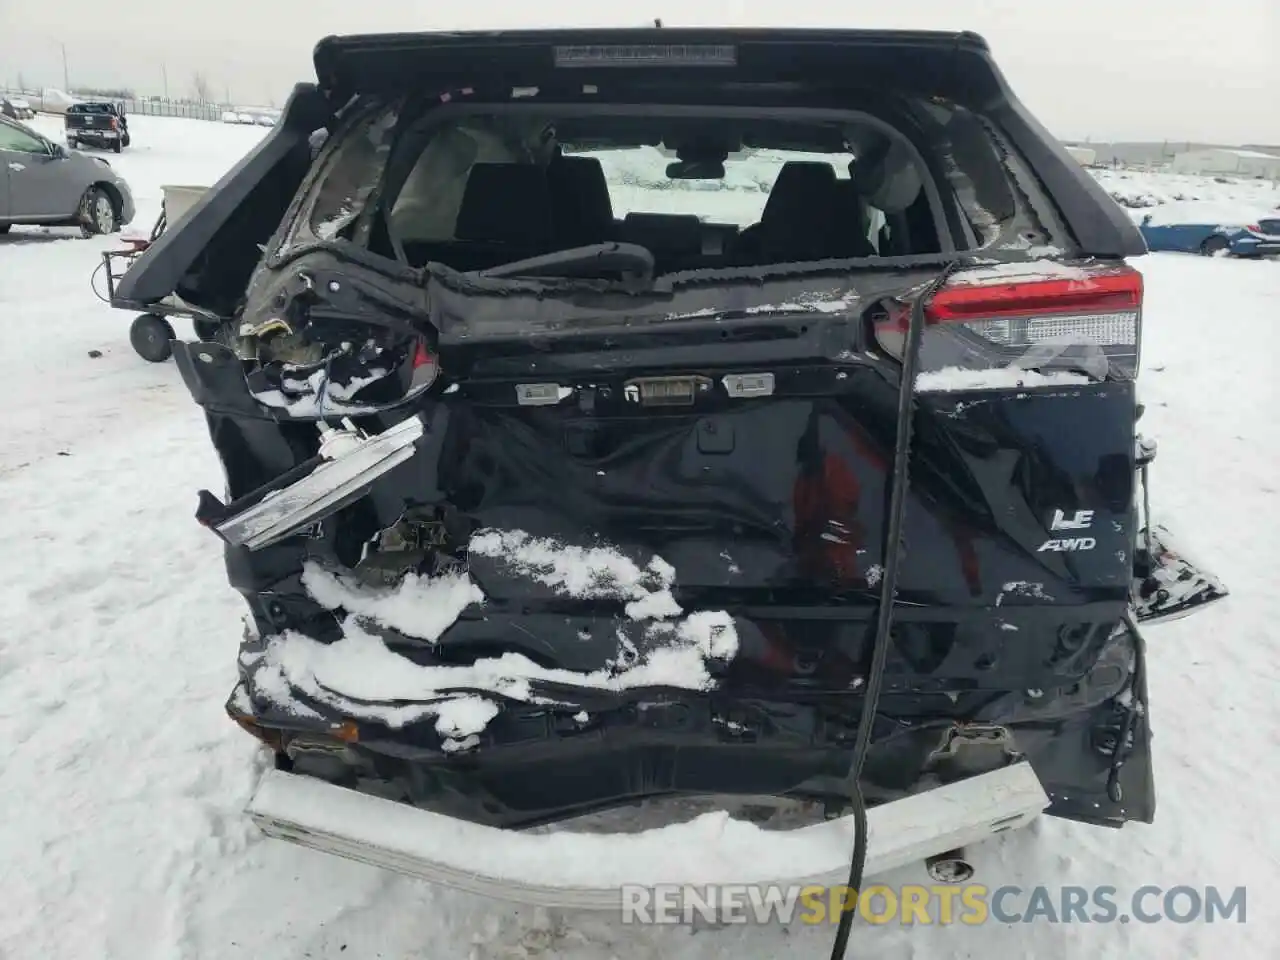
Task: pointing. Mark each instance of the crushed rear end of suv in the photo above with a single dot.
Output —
(643, 416)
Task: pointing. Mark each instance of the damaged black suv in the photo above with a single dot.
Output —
(560, 397)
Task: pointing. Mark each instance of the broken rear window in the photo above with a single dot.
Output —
(352, 172)
(474, 189)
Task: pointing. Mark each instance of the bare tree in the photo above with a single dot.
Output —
(200, 86)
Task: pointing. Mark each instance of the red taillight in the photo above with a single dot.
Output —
(422, 356)
(424, 364)
(1027, 317)
(1254, 228)
(1101, 293)
(115, 124)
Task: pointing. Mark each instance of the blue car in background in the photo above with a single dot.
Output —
(1191, 230)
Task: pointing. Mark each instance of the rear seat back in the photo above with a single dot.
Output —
(807, 217)
(583, 211)
(511, 211)
(674, 239)
(508, 204)
(505, 215)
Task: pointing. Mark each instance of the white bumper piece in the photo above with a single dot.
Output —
(585, 870)
(352, 462)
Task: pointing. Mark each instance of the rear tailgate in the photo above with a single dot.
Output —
(98, 122)
(755, 460)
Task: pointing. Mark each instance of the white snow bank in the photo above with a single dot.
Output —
(1143, 189)
(1216, 212)
(585, 572)
(421, 607)
(1001, 378)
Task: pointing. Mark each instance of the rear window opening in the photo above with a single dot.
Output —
(474, 188)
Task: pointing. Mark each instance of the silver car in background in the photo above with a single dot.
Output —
(43, 183)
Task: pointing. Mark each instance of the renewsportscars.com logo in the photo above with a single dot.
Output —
(969, 904)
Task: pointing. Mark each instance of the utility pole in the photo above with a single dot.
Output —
(164, 72)
(66, 74)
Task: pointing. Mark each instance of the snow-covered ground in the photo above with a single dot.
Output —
(1179, 197)
(122, 780)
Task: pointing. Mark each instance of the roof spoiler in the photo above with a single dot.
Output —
(953, 65)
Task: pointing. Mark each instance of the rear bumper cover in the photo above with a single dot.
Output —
(587, 870)
(570, 751)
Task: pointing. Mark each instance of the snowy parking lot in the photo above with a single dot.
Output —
(123, 781)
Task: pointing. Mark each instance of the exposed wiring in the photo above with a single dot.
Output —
(888, 588)
(93, 282)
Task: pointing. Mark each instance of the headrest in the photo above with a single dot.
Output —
(584, 212)
(672, 233)
(806, 187)
(506, 203)
(890, 183)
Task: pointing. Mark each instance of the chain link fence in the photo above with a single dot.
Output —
(147, 107)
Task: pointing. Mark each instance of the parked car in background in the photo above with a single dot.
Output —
(1211, 230)
(98, 124)
(16, 108)
(42, 182)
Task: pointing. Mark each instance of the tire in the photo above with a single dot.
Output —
(98, 214)
(150, 336)
(4, 228)
(116, 146)
(1214, 245)
(126, 140)
(206, 330)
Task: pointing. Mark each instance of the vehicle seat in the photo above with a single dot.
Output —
(505, 215)
(805, 218)
(674, 239)
(581, 207)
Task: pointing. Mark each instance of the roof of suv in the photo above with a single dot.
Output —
(954, 64)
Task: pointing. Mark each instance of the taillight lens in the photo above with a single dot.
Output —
(1081, 320)
(115, 124)
(425, 366)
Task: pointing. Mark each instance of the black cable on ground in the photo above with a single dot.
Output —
(888, 588)
(93, 281)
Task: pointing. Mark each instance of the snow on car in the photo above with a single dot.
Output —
(125, 831)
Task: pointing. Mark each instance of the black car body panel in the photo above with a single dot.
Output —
(988, 632)
(583, 411)
(208, 257)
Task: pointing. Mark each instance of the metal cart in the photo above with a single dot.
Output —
(151, 333)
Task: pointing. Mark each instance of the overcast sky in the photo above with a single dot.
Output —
(1105, 69)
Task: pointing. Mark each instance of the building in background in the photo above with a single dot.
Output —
(1227, 160)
